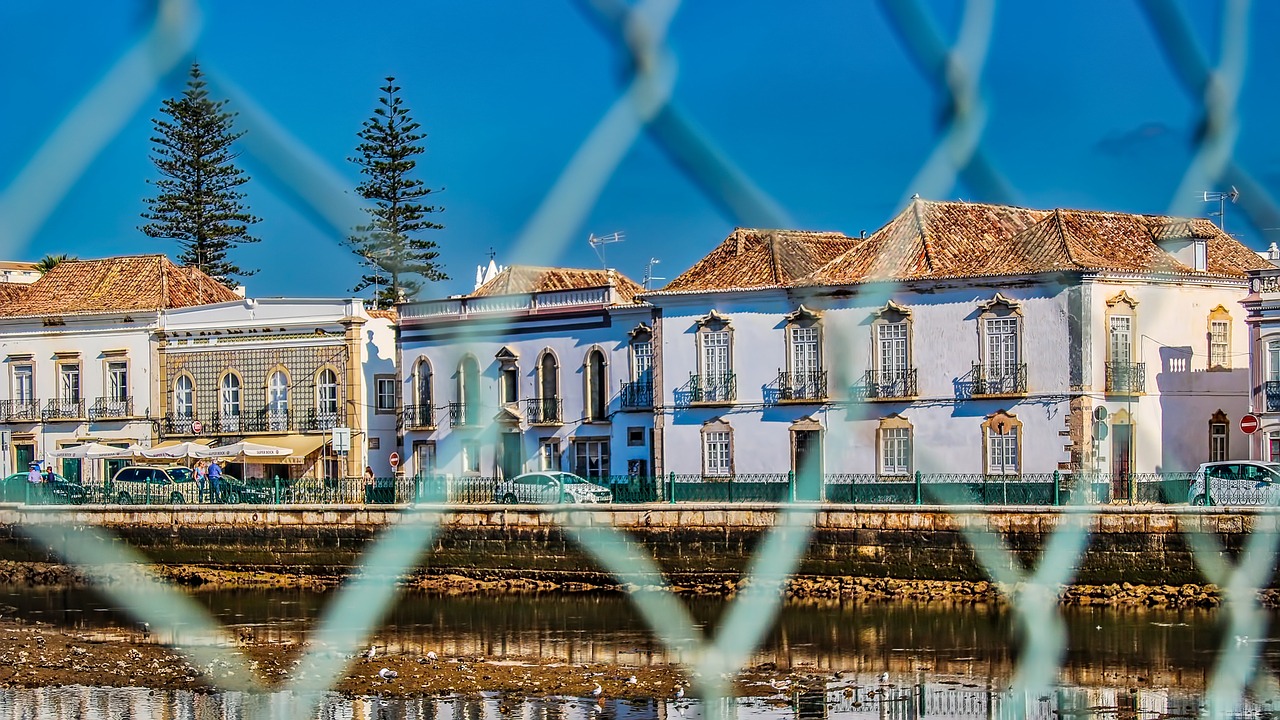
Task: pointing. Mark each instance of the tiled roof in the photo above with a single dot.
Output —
(11, 293)
(751, 258)
(935, 240)
(519, 279)
(139, 282)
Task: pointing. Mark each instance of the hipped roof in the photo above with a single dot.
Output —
(118, 284)
(519, 279)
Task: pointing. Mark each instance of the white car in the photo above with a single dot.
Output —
(550, 486)
(1236, 482)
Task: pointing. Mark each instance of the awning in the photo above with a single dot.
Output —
(172, 443)
(300, 445)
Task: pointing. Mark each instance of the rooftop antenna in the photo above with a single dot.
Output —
(598, 243)
(649, 277)
(1221, 198)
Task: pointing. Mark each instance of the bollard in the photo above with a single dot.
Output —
(275, 491)
(791, 483)
(919, 493)
(671, 489)
(1057, 488)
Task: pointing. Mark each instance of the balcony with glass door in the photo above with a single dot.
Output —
(1125, 378)
(60, 409)
(111, 408)
(999, 379)
(801, 387)
(715, 389)
(543, 411)
(637, 395)
(418, 417)
(16, 411)
(886, 385)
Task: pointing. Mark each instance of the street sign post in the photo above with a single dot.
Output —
(197, 427)
(395, 460)
(1249, 424)
(341, 441)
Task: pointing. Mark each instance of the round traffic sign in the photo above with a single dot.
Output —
(1249, 424)
(197, 427)
(395, 460)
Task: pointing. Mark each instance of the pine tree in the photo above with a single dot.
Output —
(198, 203)
(386, 156)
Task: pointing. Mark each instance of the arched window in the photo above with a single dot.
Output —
(597, 399)
(422, 382)
(184, 397)
(278, 401)
(545, 409)
(229, 403)
(469, 390)
(327, 392)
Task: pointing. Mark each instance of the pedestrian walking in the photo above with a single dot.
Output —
(368, 483)
(33, 474)
(215, 480)
(202, 479)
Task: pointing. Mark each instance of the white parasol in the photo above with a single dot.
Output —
(93, 451)
(247, 449)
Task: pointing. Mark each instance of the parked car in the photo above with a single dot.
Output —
(550, 487)
(59, 492)
(1236, 482)
(176, 484)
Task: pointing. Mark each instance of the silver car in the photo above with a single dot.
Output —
(1236, 482)
(550, 486)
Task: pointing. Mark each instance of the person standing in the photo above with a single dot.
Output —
(33, 474)
(215, 481)
(368, 483)
(202, 478)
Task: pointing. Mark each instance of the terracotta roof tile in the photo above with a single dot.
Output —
(519, 279)
(139, 282)
(11, 293)
(935, 240)
(751, 258)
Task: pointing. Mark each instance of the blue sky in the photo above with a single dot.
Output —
(820, 104)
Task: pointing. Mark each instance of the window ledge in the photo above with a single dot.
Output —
(988, 396)
(804, 401)
(712, 404)
(895, 398)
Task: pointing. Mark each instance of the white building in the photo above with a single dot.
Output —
(79, 352)
(284, 372)
(539, 368)
(1262, 308)
(961, 338)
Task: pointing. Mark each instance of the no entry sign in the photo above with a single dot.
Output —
(1249, 424)
(395, 460)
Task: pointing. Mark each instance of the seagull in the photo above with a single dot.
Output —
(1241, 639)
(632, 680)
(431, 655)
(388, 674)
(595, 692)
(373, 651)
(884, 678)
(780, 685)
(679, 691)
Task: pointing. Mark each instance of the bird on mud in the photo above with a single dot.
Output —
(632, 680)
(884, 678)
(679, 692)
(431, 655)
(388, 674)
(597, 690)
(369, 656)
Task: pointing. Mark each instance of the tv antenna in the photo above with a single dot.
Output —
(598, 243)
(649, 277)
(1221, 198)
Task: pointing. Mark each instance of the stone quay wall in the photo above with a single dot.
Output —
(698, 544)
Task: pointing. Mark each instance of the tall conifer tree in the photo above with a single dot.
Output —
(390, 243)
(198, 201)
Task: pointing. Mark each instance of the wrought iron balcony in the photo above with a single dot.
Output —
(886, 385)
(19, 410)
(179, 424)
(58, 409)
(802, 386)
(271, 420)
(464, 414)
(1272, 390)
(227, 423)
(722, 388)
(320, 420)
(1000, 379)
(418, 416)
(636, 395)
(1126, 378)
(111, 408)
(543, 411)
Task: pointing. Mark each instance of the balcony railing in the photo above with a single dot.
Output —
(19, 410)
(722, 388)
(58, 409)
(1126, 378)
(464, 414)
(179, 424)
(543, 411)
(1000, 379)
(886, 385)
(111, 408)
(1272, 390)
(418, 416)
(636, 395)
(802, 386)
(320, 420)
(231, 423)
(272, 420)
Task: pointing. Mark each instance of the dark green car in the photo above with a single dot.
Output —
(60, 491)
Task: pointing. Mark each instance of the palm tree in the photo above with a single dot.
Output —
(48, 262)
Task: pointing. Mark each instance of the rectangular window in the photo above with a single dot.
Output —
(715, 354)
(642, 361)
(716, 453)
(1121, 339)
(635, 437)
(69, 383)
(804, 352)
(386, 393)
(1002, 347)
(1218, 350)
(471, 457)
(1002, 453)
(549, 455)
(424, 457)
(118, 380)
(24, 383)
(895, 451)
(1217, 442)
(891, 353)
(1273, 361)
(591, 458)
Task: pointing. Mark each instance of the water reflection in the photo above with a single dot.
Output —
(933, 701)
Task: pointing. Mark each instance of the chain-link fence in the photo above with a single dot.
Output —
(647, 107)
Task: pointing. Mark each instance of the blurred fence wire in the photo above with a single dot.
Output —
(646, 104)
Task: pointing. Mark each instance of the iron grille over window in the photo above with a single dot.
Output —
(543, 411)
(636, 395)
(1126, 378)
(879, 384)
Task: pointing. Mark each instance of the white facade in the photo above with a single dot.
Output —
(498, 385)
(1263, 317)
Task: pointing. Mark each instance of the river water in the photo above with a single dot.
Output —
(948, 661)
